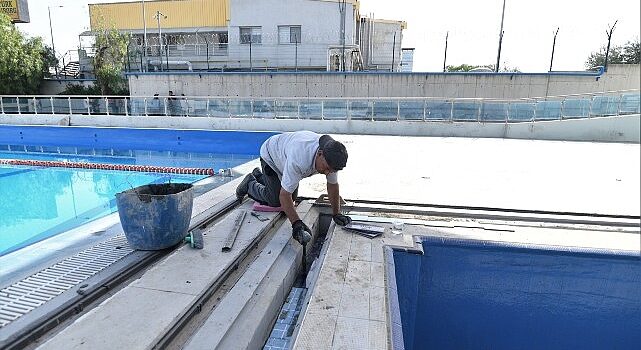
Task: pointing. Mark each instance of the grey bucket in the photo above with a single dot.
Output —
(155, 216)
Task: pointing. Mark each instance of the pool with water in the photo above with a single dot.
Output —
(465, 294)
(40, 202)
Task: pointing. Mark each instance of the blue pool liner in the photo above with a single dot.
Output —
(589, 290)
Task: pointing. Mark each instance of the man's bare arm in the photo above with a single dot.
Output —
(334, 198)
(287, 204)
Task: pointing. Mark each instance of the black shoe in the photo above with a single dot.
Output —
(258, 175)
(243, 187)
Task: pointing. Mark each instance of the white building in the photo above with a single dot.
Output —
(249, 35)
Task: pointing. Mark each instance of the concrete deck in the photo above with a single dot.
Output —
(583, 177)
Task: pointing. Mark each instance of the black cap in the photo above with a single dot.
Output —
(334, 152)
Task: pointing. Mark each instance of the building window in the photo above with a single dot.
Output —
(250, 35)
(289, 34)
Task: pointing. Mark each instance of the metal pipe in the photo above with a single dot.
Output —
(157, 16)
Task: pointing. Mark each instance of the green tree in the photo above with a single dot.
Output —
(49, 60)
(462, 68)
(466, 68)
(22, 67)
(77, 89)
(631, 52)
(622, 54)
(109, 61)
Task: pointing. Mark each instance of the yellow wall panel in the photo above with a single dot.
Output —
(180, 14)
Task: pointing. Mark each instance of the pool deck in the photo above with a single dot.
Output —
(346, 302)
(347, 307)
(584, 177)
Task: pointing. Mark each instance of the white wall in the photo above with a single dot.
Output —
(505, 86)
(605, 129)
(384, 46)
(320, 27)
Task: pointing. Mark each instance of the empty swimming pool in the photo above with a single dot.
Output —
(463, 294)
(37, 202)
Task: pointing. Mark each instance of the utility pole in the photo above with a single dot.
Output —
(144, 37)
(53, 46)
(447, 34)
(498, 56)
(607, 51)
(393, 51)
(553, 44)
(342, 6)
(251, 66)
(296, 41)
(157, 16)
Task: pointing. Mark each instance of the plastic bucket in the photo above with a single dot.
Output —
(155, 216)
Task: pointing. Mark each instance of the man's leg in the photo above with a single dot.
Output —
(258, 175)
(267, 191)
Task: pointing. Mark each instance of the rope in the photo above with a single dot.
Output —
(119, 167)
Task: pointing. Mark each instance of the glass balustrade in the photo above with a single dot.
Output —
(360, 110)
(494, 112)
(465, 111)
(335, 110)
(311, 109)
(438, 110)
(364, 109)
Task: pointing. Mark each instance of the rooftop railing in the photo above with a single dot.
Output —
(367, 109)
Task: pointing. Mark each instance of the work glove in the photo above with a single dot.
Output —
(301, 232)
(342, 220)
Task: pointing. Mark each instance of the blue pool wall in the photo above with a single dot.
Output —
(466, 294)
(195, 141)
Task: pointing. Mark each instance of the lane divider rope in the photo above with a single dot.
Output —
(119, 167)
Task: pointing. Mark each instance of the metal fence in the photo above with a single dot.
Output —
(369, 109)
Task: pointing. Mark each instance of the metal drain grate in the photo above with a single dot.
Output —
(26, 295)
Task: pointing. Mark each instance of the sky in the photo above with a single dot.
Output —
(473, 27)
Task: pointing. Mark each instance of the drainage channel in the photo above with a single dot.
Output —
(489, 213)
(33, 306)
(283, 331)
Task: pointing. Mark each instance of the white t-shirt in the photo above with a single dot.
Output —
(292, 156)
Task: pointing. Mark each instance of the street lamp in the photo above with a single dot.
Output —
(53, 46)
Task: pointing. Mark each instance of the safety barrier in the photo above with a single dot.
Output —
(369, 109)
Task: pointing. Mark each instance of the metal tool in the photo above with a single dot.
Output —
(258, 216)
(234, 231)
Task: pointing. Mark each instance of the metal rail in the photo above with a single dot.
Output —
(490, 213)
